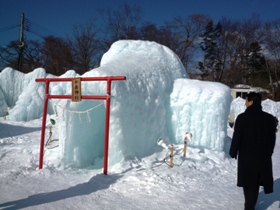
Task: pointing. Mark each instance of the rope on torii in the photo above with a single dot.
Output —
(76, 112)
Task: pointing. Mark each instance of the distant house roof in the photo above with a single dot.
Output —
(242, 86)
(248, 88)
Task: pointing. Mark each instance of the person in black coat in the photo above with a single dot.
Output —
(253, 143)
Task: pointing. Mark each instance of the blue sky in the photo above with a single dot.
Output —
(59, 16)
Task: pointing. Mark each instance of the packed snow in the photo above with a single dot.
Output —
(156, 101)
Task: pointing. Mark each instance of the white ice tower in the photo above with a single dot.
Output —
(201, 108)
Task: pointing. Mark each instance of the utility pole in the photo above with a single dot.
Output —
(21, 42)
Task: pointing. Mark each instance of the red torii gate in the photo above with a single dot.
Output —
(107, 97)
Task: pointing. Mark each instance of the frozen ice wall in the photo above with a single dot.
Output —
(145, 106)
(201, 108)
(3, 105)
(11, 82)
(80, 124)
(269, 106)
(237, 107)
(157, 100)
(22, 94)
(138, 105)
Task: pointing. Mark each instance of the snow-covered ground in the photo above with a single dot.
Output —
(204, 179)
(156, 101)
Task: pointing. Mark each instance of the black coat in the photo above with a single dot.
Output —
(253, 142)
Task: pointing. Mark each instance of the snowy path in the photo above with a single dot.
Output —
(206, 184)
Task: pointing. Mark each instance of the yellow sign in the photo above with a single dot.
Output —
(76, 89)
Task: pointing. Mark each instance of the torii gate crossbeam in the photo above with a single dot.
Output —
(107, 97)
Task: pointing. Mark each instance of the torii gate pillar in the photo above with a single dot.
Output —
(107, 97)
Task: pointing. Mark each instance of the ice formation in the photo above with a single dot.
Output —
(157, 100)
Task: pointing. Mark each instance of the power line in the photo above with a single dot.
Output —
(36, 29)
(38, 26)
(9, 27)
(30, 27)
(33, 30)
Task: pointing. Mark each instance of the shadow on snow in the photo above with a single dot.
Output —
(96, 183)
(7, 130)
(266, 200)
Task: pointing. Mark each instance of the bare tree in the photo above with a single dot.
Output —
(187, 32)
(229, 41)
(248, 31)
(149, 31)
(122, 23)
(86, 47)
(226, 47)
(162, 35)
(57, 56)
(9, 55)
(271, 42)
(31, 55)
(235, 45)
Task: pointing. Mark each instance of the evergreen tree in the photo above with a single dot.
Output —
(253, 62)
(211, 61)
(255, 58)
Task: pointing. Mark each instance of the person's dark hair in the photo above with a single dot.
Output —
(255, 97)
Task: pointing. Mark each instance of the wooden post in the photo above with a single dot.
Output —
(188, 137)
(5, 115)
(50, 139)
(55, 110)
(185, 146)
(171, 155)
